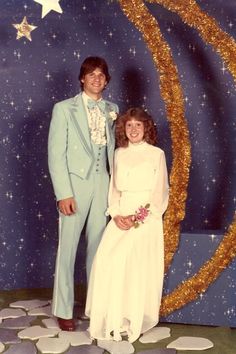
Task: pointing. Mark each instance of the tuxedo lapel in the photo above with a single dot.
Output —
(79, 117)
(109, 132)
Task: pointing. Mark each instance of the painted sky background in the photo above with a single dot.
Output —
(35, 75)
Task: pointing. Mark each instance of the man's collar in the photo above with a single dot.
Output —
(87, 97)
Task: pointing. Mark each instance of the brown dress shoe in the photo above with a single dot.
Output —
(66, 324)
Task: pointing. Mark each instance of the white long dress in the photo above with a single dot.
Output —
(125, 287)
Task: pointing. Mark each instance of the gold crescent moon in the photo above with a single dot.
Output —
(171, 92)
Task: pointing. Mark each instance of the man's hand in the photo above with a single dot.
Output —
(124, 222)
(67, 206)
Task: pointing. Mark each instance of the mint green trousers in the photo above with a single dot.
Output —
(91, 199)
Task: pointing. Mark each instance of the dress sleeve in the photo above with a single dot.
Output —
(160, 195)
(114, 194)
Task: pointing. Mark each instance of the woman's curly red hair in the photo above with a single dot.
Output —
(137, 113)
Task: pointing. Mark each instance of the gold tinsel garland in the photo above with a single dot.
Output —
(211, 33)
(190, 289)
(172, 95)
(171, 92)
(225, 45)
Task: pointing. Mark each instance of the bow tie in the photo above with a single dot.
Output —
(100, 104)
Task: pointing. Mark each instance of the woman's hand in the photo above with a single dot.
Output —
(124, 222)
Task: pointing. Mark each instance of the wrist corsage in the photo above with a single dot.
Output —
(141, 214)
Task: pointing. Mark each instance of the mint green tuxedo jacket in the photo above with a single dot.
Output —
(69, 147)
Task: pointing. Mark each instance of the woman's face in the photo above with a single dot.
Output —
(134, 130)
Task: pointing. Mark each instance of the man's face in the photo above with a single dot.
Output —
(94, 83)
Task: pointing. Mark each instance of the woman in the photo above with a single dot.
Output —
(125, 286)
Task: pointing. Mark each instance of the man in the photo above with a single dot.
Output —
(80, 151)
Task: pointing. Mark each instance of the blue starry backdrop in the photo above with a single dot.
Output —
(41, 69)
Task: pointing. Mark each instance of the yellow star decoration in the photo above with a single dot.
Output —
(24, 29)
(49, 5)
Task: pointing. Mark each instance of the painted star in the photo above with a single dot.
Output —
(24, 29)
(49, 5)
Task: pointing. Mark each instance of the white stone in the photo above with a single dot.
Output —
(2, 347)
(76, 338)
(41, 311)
(11, 313)
(29, 304)
(113, 347)
(52, 345)
(155, 334)
(50, 322)
(36, 332)
(191, 343)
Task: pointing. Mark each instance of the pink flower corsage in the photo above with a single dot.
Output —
(141, 214)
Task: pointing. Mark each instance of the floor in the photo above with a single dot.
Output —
(224, 339)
